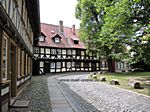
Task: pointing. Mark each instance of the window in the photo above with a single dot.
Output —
(22, 63)
(97, 64)
(41, 39)
(58, 65)
(76, 42)
(29, 65)
(78, 52)
(74, 52)
(26, 73)
(63, 51)
(69, 51)
(47, 51)
(52, 64)
(82, 53)
(57, 40)
(53, 51)
(36, 50)
(42, 50)
(41, 64)
(4, 75)
(68, 64)
(19, 59)
(58, 51)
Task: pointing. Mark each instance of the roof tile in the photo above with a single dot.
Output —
(67, 37)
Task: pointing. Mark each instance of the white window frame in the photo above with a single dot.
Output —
(57, 40)
(64, 51)
(69, 51)
(41, 39)
(5, 57)
(41, 64)
(42, 50)
(58, 65)
(59, 51)
(36, 50)
(47, 51)
(52, 65)
(53, 51)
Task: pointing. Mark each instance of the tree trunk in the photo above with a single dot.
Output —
(111, 65)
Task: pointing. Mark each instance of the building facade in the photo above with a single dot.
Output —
(19, 24)
(59, 49)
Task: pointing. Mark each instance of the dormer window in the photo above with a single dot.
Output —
(76, 42)
(41, 39)
(57, 40)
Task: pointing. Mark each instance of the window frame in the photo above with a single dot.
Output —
(41, 39)
(53, 65)
(57, 40)
(5, 37)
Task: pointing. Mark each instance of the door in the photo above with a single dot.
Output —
(13, 70)
(93, 66)
(36, 68)
(47, 67)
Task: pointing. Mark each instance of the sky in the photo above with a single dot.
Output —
(52, 11)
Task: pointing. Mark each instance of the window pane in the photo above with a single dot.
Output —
(4, 69)
(53, 51)
(47, 51)
(42, 50)
(52, 65)
(58, 64)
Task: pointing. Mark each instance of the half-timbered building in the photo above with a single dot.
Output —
(59, 49)
(19, 23)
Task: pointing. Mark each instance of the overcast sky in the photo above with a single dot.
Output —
(52, 11)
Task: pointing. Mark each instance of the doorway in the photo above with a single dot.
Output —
(13, 70)
(47, 67)
(93, 66)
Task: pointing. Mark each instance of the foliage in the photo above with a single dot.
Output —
(109, 26)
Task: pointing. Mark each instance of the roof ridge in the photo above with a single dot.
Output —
(57, 25)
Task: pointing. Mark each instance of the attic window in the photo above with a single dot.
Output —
(57, 40)
(41, 39)
(76, 42)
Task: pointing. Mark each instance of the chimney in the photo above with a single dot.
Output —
(73, 29)
(61, 27)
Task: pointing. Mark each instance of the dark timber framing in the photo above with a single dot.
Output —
(18, 27)
(48, 62)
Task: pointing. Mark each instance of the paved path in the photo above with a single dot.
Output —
(100, 97)
(58, 100)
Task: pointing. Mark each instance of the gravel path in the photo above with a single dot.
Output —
(38, 95)
(99, 97)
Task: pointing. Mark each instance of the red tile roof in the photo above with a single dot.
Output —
(67, 37)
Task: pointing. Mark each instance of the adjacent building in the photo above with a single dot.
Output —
(59, 49)
(19, 24)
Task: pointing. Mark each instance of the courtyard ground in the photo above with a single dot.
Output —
(71, 92)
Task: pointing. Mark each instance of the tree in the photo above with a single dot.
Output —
(111, 25)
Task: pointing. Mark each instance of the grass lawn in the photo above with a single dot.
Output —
(124, 78)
